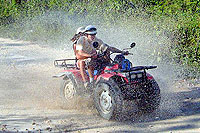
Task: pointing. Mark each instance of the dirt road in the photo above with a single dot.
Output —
(29, 99)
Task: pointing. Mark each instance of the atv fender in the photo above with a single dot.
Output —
(62, 74)
(107, 76)
(149, 76)
(75, 73)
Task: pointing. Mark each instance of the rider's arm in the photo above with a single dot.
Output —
(103, 47)
(114, 50)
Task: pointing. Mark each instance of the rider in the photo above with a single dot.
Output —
(87, 51)
(100, 46)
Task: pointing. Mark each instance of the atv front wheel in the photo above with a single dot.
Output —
(108, 99)
(68, 88)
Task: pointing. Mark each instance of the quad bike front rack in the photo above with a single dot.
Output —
(65, 63)
(137, 68)
(134, 70)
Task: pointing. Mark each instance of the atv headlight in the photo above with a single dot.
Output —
(133, 76)
(139, 75)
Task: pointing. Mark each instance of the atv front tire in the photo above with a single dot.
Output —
(69, 88)
(108, 99)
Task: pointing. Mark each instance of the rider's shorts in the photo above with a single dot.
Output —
(88, 62)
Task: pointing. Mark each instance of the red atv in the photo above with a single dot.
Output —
(114, 84)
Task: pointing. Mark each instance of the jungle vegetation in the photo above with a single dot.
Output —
(185, 16)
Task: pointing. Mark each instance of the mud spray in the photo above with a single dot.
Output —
(29, 83)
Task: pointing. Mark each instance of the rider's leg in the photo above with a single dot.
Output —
(92, 65)
(82, 70)
(91, 72)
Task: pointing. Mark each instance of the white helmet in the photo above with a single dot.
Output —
(91, 30)
(80, 30)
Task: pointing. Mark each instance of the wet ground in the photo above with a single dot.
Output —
(30, 101)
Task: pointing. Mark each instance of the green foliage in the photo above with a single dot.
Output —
(182, 18)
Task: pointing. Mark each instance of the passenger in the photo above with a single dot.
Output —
(79, 33)
(86, 54)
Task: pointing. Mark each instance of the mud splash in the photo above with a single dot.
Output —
(54, 30)
(27, 68)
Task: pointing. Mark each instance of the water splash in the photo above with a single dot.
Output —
(54, 30)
